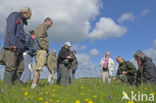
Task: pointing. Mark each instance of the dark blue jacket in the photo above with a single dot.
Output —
(15, 34)
(31, 45)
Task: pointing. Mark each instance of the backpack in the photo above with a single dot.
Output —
(2, 56)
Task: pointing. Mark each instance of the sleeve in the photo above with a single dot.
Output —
(62, 54)
(131, 68)
(40, 37)
(11, 28)
(36, 45)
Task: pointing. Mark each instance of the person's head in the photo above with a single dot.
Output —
(107, 54)
(139, 55)
(26, 11)
(48, 21)
(32, 33)
(53, 52)
(74, 52)
(67, 45)
(119, 59)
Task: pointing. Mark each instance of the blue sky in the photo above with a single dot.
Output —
(136, 30)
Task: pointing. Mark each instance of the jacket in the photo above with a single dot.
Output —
(15, 34)
(74, 64)
(31, 45)
(51, 62)
(110, 65)
(149, 70)
(63, 53)
(42, 37)
(128, 67)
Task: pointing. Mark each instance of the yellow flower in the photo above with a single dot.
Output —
(132, 91)
(86, 100)
(51, 100)
(46, 102)
(145, 88)
(95, 96)
(46, 92)
(130, 102)
(90, 101)
(40, 98)
(89, 90)
(25, 93)
(77, 101)
(53, 90)
(82, 94)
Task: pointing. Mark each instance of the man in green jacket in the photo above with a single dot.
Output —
(126, 70)
(51, 65)
(43, 48)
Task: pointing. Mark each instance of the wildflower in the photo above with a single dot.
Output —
(132, 91)
(145, 88)
(51, 100)
(90, 101)
(77, 101)
(46, 102)
(95, 96)
(46, 92)
(110, 97)
(25, 93)
(40, 98)
(86, 100)
(130, 102)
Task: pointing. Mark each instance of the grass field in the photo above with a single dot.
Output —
(82, 91)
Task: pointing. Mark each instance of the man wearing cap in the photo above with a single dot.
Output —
(147, 69)
(64, 63)
(14, 45)
(43, 49)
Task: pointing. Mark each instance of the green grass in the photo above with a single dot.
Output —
(82, 91)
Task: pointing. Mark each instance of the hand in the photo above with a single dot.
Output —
(13, 48)
(69, 57)
(124, 72)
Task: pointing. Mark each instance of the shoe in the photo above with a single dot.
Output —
(33, 86)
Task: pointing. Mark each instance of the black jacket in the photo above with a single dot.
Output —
(149, 70)
(63, 53)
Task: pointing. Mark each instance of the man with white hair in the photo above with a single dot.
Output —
(64, 63)
(106, 67)
(43, 49)
(14, 45)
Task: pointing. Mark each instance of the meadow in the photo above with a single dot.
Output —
(82, 91)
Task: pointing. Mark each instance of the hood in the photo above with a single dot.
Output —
(24, 19)
(146, 58)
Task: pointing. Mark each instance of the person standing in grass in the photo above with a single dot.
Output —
(126, 71)
(148, 70)
(31, 46)
(74, 66)
(51, 65)
(14, 45)
(64, 63)
(106, 67)
(43, 49)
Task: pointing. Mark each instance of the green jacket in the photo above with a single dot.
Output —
(42, 37)
(128, 67)
(51, 62)
(74, 64)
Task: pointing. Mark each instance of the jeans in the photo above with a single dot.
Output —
(26, 75)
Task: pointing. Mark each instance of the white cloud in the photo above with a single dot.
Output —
(144, 12)
(77, 47)
(70, 16)
(86, 68)
(94, 52)
(126, 17)
(107, 28)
